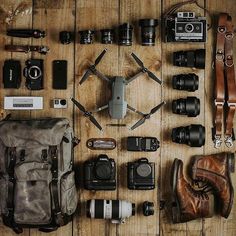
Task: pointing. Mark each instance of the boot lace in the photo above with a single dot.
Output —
(203, 185)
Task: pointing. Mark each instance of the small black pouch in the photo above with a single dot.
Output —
(11, 74)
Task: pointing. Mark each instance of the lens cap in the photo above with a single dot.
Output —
(144, 170)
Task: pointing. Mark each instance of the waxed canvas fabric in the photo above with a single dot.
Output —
(33, 204)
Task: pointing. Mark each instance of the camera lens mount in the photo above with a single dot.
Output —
(34, 72)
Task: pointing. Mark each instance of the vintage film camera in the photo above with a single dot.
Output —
(100, 174)
(185, 27)
(33, 72)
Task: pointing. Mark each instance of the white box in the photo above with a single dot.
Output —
(23, 103)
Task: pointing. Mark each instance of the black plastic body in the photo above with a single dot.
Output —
(171, 24)
(125, 34)
(192, 58)
(189, 106)
(33, 72)
(135, 181)
(142, 144)
(192, 135)
(188, 82)
(12, 74)
(106, 180)
(65, 37)
(59, 77)
(86, 36)
(148, 31)
(107, 36)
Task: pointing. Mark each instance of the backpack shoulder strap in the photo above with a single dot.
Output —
(53, 152)
(8, 219)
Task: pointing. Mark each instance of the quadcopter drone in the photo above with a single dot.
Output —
(117, 105)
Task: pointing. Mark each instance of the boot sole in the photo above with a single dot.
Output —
(230, 168)
(175, 207)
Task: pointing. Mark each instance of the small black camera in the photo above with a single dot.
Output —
(100, 174)
(33, 72)
(141, 174)
(185, 27)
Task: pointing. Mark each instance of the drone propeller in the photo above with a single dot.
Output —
(145, 69)
(147, 116)
(92, 68)
(87, 113)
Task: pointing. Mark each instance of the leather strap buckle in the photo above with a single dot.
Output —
(229, 35)
(220, 55)
(217, 141)
(221, 103)
(221, 29)
(229, 141)
(229, 62)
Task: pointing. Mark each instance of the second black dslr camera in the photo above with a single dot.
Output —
(141, 174)
(33, 72)
(100, 174)
(185, 27)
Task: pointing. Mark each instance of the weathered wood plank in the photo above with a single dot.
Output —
(216, 225)
(170, 150)
(92, 94)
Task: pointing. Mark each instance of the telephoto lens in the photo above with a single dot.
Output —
(189, 106)
(188, 82)
(148, 208)
(148, 31)
(192, 58)
(192, 135)
(107, 36)
(65, 37)
(116, 210)
(86, 36)
(125, 33)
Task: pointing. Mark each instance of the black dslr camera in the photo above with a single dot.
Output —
(185, 27)
(33, 72)
(141, 174)
(100, 174)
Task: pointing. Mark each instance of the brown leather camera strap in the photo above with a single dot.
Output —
(26, 48)
(225, 87)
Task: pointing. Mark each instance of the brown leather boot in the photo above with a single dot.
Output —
(189, 204)
(215, 170)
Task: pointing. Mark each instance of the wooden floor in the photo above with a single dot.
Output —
(74, 15)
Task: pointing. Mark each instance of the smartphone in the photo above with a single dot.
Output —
(59, 74)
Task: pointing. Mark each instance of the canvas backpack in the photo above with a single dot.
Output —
(37, 181)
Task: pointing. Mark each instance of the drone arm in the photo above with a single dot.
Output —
(135, 110)
(100, 108)
(100, 75)
(134, 77)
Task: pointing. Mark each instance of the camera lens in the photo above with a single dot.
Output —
(107, 36)
(188, 82)
(65, 37)
(125, 34)
(189, 28)
(193, 135)
(117, 210)
(193, 58)
(86, 36)
(148, 208)
(189, 106)
(148, 31)
(63, 102)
